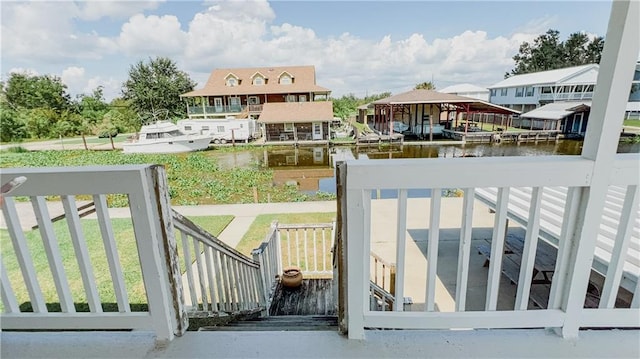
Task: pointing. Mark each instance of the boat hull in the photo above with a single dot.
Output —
(173, 145)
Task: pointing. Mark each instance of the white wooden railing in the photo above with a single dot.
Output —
(218, 278)
(268, 255)
(144, 188)
(306, 246)
(362, 178)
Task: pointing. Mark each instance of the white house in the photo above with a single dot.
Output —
(467, 90)
(528, 91)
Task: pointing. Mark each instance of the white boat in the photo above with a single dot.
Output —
(165, 137)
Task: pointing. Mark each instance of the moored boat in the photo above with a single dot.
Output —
(165, 137)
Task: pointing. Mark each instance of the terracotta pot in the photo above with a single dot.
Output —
(291, 277)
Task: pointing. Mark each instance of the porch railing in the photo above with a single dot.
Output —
(361, 179)
(218, 278)
(79, 278)
(306, 246)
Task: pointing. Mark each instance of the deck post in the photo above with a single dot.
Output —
(609, 103)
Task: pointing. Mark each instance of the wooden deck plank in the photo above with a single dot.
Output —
(313, 297)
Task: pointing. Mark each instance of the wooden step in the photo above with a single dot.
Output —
(280, 323)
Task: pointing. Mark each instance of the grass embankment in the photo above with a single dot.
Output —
(194, 178)
(127, 252)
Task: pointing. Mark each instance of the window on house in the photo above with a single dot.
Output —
(590, 88)
(503, 92)
(519, 91)
(187, 128)
(302, 98)
(220, 129)
(291, 98)
(545, 89)
(232, 81)
(285, 80)
(288, 127)
(493, 92)
(529, 91)
(258, 81)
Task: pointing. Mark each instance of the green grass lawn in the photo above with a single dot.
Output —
(634, 123)
(127, 251)
(260, 227)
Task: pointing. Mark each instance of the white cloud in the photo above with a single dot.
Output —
(43, 31)
(95, 10)
(243, 33)
(152, 36)
(78, 82)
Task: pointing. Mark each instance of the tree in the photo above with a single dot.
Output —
(36, 91)
(428, 85)
(11, 126)
(157, 85)
(547, 52)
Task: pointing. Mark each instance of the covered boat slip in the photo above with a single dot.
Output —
(552, 210)
(422, 109)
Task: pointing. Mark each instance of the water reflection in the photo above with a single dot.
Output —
(311, 168)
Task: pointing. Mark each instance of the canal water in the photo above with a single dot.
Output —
(311, 168)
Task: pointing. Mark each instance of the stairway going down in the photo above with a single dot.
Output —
(281, 323)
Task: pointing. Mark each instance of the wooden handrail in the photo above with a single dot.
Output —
(184, 224)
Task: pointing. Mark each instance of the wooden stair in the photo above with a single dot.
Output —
(280, 323)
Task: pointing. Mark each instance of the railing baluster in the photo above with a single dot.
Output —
(186, 252)
(497, 248)
(288, 248)
(315, 252)
(529, 251)
(8, 296)
(211, 283)
(620, 248)
(464, 250)
(82, 253)
(567, 233)
(432, 249)
(53, 254)
(111, 251)
(233, 284)
(238, 284)
(401, 246)
(297, 248)
(324, 252)
(201, 275)
(24, 257)
(219, 280)
(306, 257)
(227, 283)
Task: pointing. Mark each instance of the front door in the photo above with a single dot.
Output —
(217, 104)
(317, 130)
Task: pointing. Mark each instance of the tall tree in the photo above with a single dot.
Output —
(547, 52)
(157, 85)
(29, 91)
(427, 85)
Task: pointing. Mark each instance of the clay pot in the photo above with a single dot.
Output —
(291, 277)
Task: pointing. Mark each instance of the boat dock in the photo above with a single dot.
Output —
(503, 136)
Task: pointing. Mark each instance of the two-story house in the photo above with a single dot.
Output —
(242, 92)
(527, 91)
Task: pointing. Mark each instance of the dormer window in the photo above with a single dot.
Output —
(232, 80)
(285, 79)
(258, 81)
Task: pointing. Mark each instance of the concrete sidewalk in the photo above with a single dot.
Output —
(244, 214)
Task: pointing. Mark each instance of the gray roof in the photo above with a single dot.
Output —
(549, 77)
(557, 110)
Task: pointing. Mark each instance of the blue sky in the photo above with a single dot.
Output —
(359, 47)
